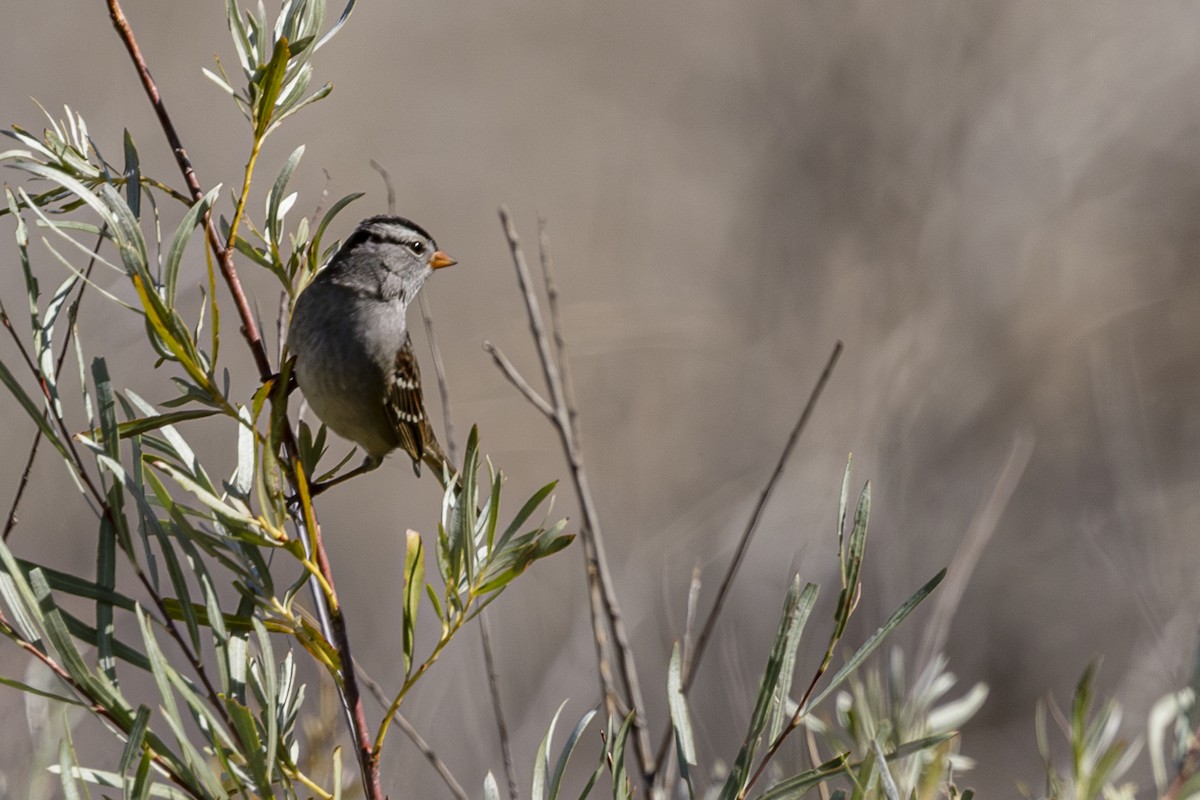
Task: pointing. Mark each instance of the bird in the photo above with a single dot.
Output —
(354, 360)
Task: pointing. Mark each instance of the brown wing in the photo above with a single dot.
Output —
(406, 405)
(406, 408)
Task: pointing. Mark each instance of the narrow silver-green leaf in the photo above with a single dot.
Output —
(315, 245)
(27, 689)
(179, 242)
(768, 697)
(681, 718)
(274, 222)
(876, 639)
(133, 175)
(564, 757)
(491, 791)
(113, 518)
(414, 584)
(337, 26)
(34, 413)
(799, 785)
(131, 755)
(843, 502)
(67, 766)
(779, 704)
(526, 511)
(541, 764)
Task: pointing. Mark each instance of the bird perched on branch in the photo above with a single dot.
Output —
(354, 357)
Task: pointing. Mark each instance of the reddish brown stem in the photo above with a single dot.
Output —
(224, 254)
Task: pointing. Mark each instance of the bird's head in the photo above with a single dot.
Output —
(401, 245)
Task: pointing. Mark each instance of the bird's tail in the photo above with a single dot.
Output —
(439, 463)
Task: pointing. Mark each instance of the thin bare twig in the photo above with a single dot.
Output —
(560, 342)
(489, 663)
(439, 370)
(156, 753)
(518, 380)
(104, 509)
(414, 736)
(814, 758)
(756, 515)
(599, 576)
(387, 184)
(72, 315)
(333, 623)
(689, 625)
(748, 534)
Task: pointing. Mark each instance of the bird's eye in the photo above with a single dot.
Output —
(417, 247)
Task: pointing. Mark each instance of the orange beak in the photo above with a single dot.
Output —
(440, 260)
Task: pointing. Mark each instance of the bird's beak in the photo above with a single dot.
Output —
(440, 260)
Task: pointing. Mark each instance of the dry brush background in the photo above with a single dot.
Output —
(996, 205)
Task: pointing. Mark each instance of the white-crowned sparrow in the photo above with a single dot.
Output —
(354, 357)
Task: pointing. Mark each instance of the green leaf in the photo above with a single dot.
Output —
(804, 607)
(68, 766)
(319, 94)
(195, 765)
(876, 639)
(126, 232)
(25, 687)
(565, 756)
(77, 586)
(237, 517)
(270, 84)
(241, 39)
(337, 26)
(525, 513)
(179, 242)
(851, 560)
(622, 789)
(35, 414)
(843, 501)
(143, 425)
(796, 609)
(133, 176)
(460, 521)
(490, 790)
(541, 763)
(681, 719)
(56, 631)
(314, 254)
(275, 199)
(19, 597)
(106, 577)
(414, 583)
(798, 785)
(133, 754)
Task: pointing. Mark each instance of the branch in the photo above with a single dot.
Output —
(331, 616)
(560, 342)
(602, 592)
(756, 515)
(414, 736)
(72, 315)
(518, 380)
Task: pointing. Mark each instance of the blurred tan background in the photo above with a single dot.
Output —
(995, 205)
